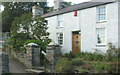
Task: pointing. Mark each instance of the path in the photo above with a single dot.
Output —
(0, 59)
(16, 66)
(0, 64)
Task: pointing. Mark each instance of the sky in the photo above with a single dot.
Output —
(51, 2)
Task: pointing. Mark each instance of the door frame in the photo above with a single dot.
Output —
(77, 32)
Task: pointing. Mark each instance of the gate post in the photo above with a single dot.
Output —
(34, 51)
(53, 53)
(5, 63)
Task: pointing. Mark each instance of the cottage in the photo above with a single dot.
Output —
(85, 27)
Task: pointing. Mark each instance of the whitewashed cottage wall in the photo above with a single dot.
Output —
(89, 24)
(86, 22)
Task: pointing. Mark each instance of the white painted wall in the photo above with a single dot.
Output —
(70, 23)
(112, 23)
(89, 25)
(86, 22)
(119, 25)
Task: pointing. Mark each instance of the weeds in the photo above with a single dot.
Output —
(91, 62)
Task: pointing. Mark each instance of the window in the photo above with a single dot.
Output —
(101, 13)
(60, 20)
(100, 35)
(60, 38)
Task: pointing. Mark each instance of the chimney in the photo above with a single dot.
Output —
(59, 4)
(37, 11)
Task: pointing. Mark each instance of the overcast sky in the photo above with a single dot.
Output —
(73, 1)
(51, 2)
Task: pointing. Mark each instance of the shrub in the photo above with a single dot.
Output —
(17, 40)
(87, 66)
(69, 55)
(77, 61)
(80, 70)
(90, 56)
(101, 66)
(113, 53)
(63, 65)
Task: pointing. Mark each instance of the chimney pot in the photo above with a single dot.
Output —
(37, 11)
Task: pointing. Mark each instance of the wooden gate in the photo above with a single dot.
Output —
(76, 42)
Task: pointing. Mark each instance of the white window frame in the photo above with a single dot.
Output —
(60, 39)
(101, 13)
(101, 36)
(59, 21)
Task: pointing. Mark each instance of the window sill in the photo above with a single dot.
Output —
(59, 27)
(100, 45)
(61, 45)
(102, 21)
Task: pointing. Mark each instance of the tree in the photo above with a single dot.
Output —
(27, 28)
(16, 9)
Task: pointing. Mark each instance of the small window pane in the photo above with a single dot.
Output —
(60, 20)
(101, 13)
(60, 38)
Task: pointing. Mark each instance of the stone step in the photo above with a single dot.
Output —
(34, 71)
(40, 68)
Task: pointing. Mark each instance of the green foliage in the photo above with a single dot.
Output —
(21, 22)
(113, 53)
(17, 40)
(25, 29)
(87, 62)
(100, 66)
(90, 56)
(16, 9)
(40, 43)
(77, 61)
(69, 55)
(63, 65)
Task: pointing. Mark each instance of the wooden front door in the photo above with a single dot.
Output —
(76, 41)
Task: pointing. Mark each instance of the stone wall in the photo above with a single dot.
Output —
(30, 59)
(23, 58)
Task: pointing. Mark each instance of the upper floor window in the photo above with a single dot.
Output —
(101, 13)
(60, 20)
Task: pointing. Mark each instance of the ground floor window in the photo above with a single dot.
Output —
(100, 35)
(60, 38)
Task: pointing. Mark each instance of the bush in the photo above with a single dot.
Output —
(88, 62)
(113, 53)
(17, 41)
(90, 56)
(63, 65)
(69, 55)
(77, 61)
(101, 66)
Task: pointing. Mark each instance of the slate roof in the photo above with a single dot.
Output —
(71, 8)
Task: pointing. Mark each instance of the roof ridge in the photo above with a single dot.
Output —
(71, 8)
